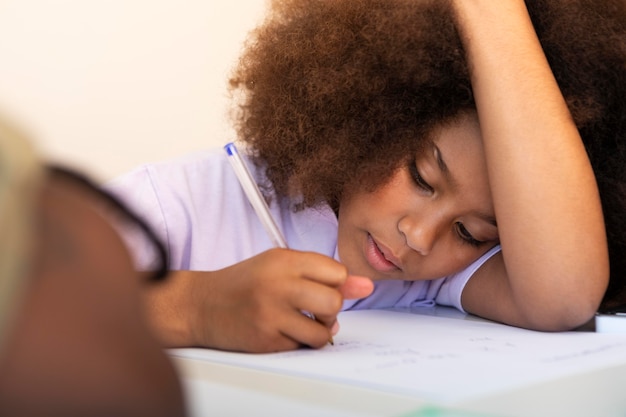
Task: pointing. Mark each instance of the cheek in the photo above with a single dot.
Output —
(351, 223)
(453, 258)
(345, 240)
(350, 241)
(364, 209)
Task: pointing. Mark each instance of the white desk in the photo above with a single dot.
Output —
(224, 390)
(219, 389)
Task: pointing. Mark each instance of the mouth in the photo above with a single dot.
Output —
(377, 259)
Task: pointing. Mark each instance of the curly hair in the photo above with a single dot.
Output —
(339, 94)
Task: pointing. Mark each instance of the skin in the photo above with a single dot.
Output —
(80, 345)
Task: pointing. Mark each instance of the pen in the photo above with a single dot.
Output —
(253, 193)
(251, 189)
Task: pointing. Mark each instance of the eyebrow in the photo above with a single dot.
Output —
(448, 176)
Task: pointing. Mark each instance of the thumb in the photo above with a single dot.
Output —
(356, 287)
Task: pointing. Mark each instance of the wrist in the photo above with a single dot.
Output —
(168, 307)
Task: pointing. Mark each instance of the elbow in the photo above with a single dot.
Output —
(568, 310)
(561, 319)
(566, 320)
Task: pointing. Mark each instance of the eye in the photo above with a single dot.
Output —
(466, 236)
(415, 174)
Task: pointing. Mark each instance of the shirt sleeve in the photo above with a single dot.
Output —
(136, 190)
(449, 293)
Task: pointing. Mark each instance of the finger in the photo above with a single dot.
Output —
(281, 343)
(317, 299)
(271, 335)
(307, 331)
(319, 268)
(319, 302)
(356, 287)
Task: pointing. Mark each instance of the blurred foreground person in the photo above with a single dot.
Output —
(73, 341)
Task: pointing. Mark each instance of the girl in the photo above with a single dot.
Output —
(465, 153)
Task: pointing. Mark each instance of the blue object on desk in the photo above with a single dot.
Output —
(442, 412)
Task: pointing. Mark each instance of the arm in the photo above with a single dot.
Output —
(553, 269)
(255, 305)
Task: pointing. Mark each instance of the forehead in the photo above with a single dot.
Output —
(461, 141)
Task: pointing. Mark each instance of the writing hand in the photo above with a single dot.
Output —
(255, 305)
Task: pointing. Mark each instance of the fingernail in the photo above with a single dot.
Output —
(335, 329)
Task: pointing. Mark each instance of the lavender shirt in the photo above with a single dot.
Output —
(198, 208)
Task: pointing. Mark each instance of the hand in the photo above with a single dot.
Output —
(255, 305)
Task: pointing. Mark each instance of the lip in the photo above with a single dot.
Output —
(379, 257)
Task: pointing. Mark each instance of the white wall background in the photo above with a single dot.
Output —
(106, 85)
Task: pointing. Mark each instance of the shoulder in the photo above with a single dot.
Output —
(193, 165)
(190, 175)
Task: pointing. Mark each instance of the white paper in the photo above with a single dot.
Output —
(435, 358)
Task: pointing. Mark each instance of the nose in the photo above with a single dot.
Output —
(420, 232)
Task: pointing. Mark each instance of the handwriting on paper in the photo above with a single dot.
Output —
(436, 358)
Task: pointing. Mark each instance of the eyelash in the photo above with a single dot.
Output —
(417, 178)
(464, 235)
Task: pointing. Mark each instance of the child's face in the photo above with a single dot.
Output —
(430, 220)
